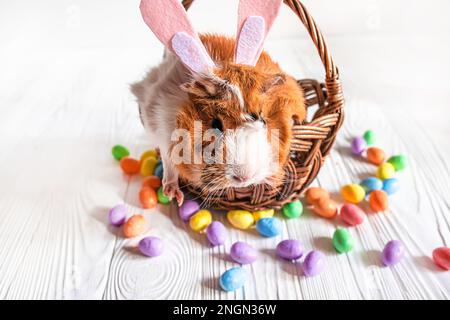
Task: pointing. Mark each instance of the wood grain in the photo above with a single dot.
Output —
(60, 115)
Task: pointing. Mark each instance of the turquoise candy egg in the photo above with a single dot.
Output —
(233, 279)
(159, 171)
(371, 183)
(269, 227)
(391, 186)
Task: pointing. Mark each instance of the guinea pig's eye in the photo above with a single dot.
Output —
(217, 124)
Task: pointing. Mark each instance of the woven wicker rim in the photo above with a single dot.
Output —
(311, 141)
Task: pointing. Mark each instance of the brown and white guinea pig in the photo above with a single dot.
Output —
(211, 83)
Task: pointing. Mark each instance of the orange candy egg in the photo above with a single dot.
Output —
(314, 194)
(153, 182)
(375, 155)
(135, 226)
(130, 165)
(325, 208)
(378, 200)
(148, 198)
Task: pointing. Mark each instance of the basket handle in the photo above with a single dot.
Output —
(332, 82)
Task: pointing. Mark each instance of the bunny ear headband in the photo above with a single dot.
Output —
(169, 22)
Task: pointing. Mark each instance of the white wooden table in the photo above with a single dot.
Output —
(60, 113)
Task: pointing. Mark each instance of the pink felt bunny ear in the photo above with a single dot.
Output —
(169, 22)
(255, 18)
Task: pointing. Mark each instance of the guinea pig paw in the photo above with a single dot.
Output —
(172, 190)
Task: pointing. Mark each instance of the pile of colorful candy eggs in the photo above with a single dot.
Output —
(200, 220)
(376, 188)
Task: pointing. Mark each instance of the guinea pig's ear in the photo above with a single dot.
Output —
(273, 81)
(169, 22)
(255, 18)
(204, 87)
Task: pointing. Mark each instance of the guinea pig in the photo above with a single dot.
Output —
(225, 121)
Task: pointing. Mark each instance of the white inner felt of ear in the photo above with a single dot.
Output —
(250, 40)
(192, 53)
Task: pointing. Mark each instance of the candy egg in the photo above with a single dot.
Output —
(159, 170)
(378, 200)
(151, 246)
(441, 256)
(263, 214)
(216, 233)
(371, 183)
(233, 279)
(353, 193)
(153, 182)
(293, 209)
(391, 186)
(243, 253)
(325, 208)
(399, 162)
(342, 240)
(135, 226)
(200, 221)
(369, 136)
(314, 263)
(290, 249)
(393, 253)
(149, 153)
(148, 198)
(187, 209)
(375, 155)
(119, 152)
(269, 227)
(117, 215)
(351, 214)
(148, 166)
(385, 171)
(162, 198)
(313, 194)
(130, 165)
(240, 219)
(358, 145)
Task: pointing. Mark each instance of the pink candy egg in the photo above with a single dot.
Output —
(351, 214)
(441, 257)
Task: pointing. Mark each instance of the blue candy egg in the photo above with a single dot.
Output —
(391, 186)
(371, 183)
(269, 227)
(233, 279)
(159, 171)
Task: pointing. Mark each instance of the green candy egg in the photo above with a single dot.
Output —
(293, 209)
(120, 152)
(342, 240)
(399, 162)
(369, 136)
(162, 198)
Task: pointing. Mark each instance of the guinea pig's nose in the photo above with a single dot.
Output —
(241, 178)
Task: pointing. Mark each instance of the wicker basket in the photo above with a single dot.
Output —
(311, 141)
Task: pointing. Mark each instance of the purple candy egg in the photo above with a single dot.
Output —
(187, 209)
(358, 145)
(117, 215)
(216, 233)
(151, 246)
(393, 253)
(243, 253)
(290, 249)
(314, 263)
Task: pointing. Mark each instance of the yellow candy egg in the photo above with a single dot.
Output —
(385, 171)
(148, 166)
(240, 219)
(149, 153)
(200, 220)
(353, 193)
(263, 214)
